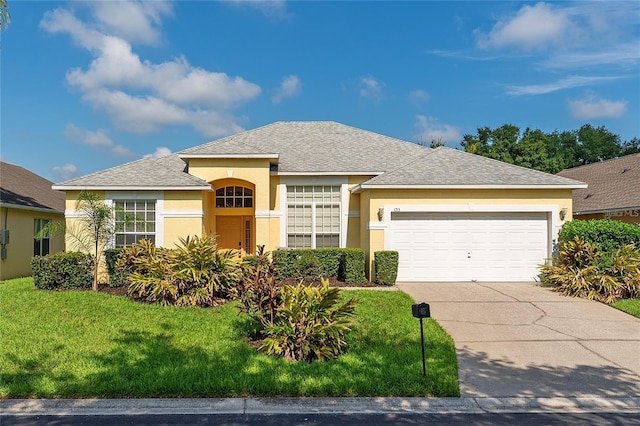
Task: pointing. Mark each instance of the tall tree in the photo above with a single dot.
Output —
(597, 144)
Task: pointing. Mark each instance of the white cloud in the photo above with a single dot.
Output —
(429, 130)
(273, 9)
(418, 96)
(290, 87)
(65, 172)
(593, 107)
(371, 88)
(533, 27)
(132, 20)
(160, 152)
(625, 54)
(138, 95)
(565, 83)
(98, 139)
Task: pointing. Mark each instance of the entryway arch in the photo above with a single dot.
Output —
(233, 213)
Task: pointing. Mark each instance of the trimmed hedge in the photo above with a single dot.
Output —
(386, 264)
(353, 266)
(344, 263)
(609, 235)
(63, 271)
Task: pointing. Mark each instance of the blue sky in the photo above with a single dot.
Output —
(91, 85)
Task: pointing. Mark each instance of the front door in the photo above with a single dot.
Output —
(234, 232)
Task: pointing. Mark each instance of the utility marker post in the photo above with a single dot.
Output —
(421, 310)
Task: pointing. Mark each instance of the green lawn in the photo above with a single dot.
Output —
(86, 344)
(630, 306)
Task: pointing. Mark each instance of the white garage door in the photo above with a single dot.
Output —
(468, 246)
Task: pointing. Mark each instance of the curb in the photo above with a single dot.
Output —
(106, 407)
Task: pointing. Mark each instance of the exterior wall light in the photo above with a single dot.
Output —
(563, 213)
(380, 214)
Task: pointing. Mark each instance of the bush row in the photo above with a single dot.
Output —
(347, 264)
(63, 271)
(609, 235)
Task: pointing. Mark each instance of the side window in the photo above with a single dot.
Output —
(40, 246)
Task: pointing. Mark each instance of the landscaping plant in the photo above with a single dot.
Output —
(579, 271)
(193, 274)
(310, 324)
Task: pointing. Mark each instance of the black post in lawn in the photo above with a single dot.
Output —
(421, 310)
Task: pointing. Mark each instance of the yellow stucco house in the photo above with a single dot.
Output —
(452, 216)
(27, 204)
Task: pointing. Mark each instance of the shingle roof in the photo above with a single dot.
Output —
(316, 147)
(451, 167)
(149, 173)
(22, 188)
(613, 184)
(323, 147)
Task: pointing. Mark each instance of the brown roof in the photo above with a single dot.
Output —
(613, 185)
(22, 188)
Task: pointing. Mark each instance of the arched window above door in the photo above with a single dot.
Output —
(234, 196)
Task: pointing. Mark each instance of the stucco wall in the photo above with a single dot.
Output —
(20, 223)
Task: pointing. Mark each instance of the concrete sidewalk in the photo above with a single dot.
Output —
(160, 406)
(523, 340)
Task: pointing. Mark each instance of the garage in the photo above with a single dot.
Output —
(468, 246)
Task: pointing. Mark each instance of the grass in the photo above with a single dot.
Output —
(87, 344)
(630, 306)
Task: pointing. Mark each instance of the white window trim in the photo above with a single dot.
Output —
(112, 196)
(310, 181)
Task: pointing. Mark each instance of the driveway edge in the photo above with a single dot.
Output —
(159, 406)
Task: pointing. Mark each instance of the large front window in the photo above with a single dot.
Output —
(313, 216)
(135, 220)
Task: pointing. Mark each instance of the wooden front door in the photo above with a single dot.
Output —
(234, 232)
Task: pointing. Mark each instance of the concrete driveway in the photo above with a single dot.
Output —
(523, 340)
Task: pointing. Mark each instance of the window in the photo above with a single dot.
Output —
(135, 220)
(313, 216)
(40, 246)
(234, 196)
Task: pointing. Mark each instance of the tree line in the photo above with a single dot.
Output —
(547, 152)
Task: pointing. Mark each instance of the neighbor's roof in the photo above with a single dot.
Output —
(446, 167)
(613, 185)
(21, 188)
(147, 174)
(315, 147)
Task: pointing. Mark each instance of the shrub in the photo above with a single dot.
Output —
(250, 260)
(283, 261)
(579, 272)
(353, 266)
(609, 235)
(330, 260)
(63, 271)
(310, 324)
(386, 264)
(258, 290)
(306, 267)
(111, 259)
(193, 274)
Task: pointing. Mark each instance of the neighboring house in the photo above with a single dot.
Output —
(613, 192)
(452, 216)
(27, 203)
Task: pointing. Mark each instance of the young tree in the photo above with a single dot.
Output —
(93, 228)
